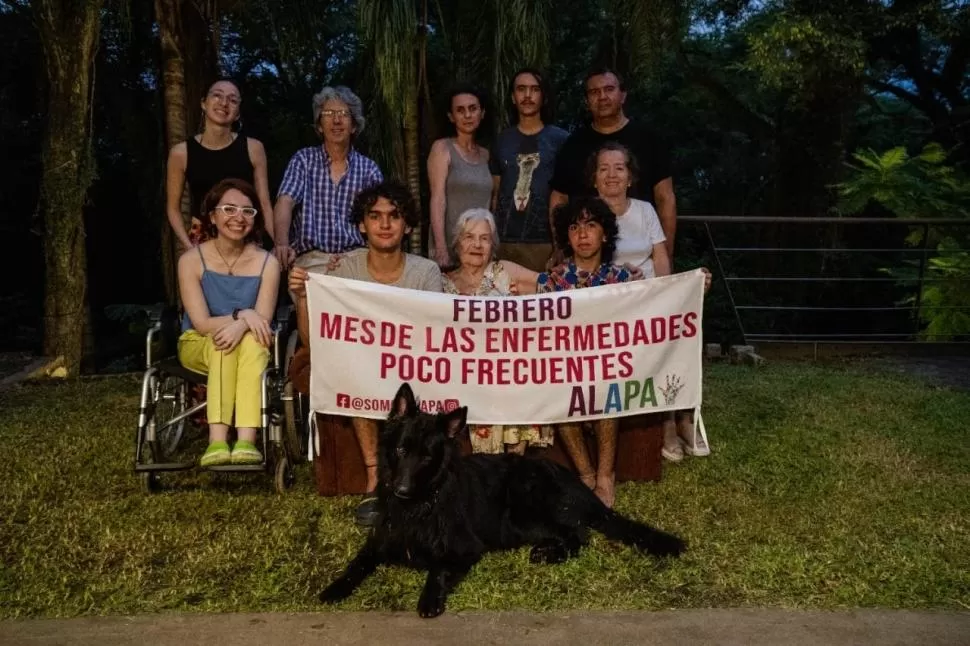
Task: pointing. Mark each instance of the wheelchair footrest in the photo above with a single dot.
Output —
(237, 467)
(164, 466)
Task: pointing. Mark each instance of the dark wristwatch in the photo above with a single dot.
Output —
(235, 314)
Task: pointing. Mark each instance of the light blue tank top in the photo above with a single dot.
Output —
(224, 293)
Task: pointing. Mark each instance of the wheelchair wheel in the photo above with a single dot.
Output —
(149, 481)
(284, 474)
(293, 413)
(170, 398)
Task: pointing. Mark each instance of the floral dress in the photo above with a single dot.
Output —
(568, 276)
(492, 439)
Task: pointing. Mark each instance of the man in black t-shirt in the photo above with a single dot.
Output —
(605, 96)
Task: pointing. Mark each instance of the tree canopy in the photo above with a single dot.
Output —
(764, 102)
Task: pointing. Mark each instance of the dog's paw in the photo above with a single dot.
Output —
(336, 591)
(431, 605)
(662, 544)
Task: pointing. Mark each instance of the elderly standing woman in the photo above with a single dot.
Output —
(475, 245)
(612, 171)
(218, 152)
(458, 171)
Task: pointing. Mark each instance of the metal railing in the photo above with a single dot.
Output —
(897, 294)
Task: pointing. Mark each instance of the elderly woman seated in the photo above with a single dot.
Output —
(475, 245)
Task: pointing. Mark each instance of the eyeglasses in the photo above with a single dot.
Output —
(330, 114)
(231, 210)
(232, 99)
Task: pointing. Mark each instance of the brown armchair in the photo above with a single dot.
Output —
(339, 468)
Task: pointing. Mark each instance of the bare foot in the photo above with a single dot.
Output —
(605, 489)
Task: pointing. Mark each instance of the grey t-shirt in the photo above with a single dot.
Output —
(525, 165)
(419, 273)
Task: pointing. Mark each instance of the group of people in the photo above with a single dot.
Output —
(541, 211)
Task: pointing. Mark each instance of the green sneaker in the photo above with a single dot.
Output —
(216, 454)
(245, 453)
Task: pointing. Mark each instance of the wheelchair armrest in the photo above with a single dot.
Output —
(156, 311)
(162, 312)
(284, 314)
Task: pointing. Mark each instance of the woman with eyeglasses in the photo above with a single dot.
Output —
(229, 286)
(218, 152)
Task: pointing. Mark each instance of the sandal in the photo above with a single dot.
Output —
(215, 455)
(698, 448)
(367, 513)
(671, 450)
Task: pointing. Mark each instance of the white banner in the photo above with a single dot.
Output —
(578, 355)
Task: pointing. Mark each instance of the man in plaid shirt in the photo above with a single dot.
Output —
(313, 205)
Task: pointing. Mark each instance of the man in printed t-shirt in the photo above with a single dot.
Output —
(522, 162)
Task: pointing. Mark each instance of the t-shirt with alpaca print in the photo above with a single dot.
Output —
(524, 165)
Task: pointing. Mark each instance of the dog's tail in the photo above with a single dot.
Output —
(639, 535)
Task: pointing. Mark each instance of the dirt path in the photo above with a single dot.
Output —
(754, 627)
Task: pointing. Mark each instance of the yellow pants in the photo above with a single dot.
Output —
(234, 377)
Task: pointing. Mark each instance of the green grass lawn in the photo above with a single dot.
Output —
(827, 488)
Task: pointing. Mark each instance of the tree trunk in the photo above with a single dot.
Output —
(168, 13)
(200, 56)
(189, 63)
(413, 161)
(69, 37)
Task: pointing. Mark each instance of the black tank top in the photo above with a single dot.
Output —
(205, 168)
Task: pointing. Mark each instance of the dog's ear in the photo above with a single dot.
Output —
(454, 421)
(404, 403)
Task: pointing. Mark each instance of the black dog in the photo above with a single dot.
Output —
(441, 512)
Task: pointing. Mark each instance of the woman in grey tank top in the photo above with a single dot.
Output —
(457, 171)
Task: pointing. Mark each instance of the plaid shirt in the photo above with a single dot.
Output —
(321, 211)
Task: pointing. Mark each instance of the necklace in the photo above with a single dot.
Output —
(228, 264)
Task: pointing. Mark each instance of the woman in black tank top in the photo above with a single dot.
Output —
(217, 153)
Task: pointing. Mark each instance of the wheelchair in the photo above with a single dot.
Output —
(169, 436)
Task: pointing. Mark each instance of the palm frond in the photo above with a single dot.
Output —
(492, 39)
(652, 28)
(389, 29)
